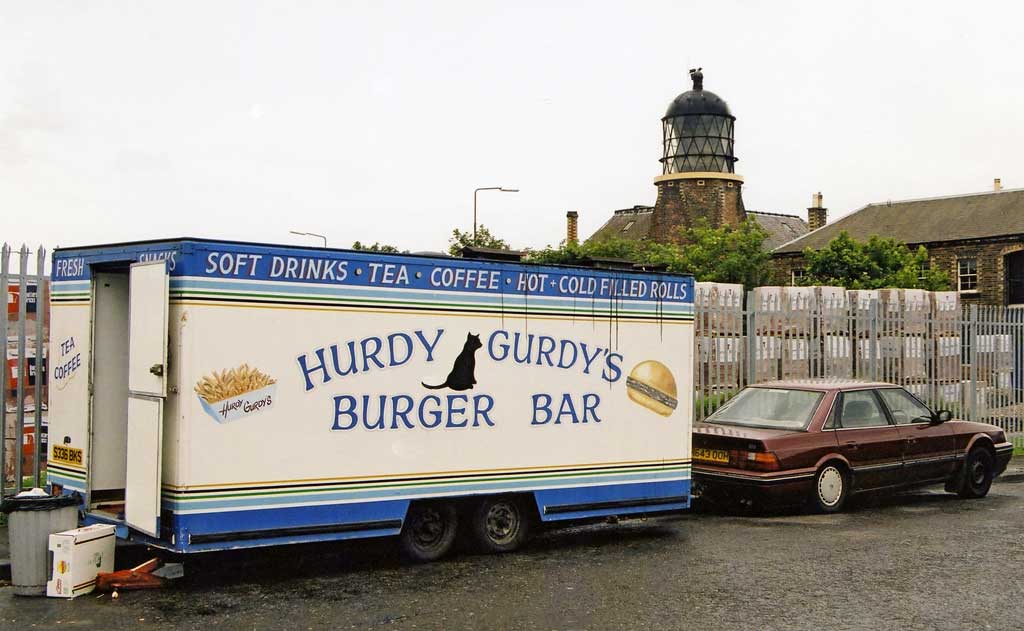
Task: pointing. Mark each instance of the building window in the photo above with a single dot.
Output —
(700, 182)
(629, 224)
(922, 271)
(967, 274)
(798, 275)
(730, 184)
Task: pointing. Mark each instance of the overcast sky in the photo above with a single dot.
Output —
(375, 121)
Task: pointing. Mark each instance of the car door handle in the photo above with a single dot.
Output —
(852, 445)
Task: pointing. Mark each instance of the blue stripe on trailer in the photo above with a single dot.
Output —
(287, 525)
(622, 499)
(509, 300)
(69, 484)
(198, 532)
(202, 506)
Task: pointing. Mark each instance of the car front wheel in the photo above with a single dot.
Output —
(831, 487)
(977, 474)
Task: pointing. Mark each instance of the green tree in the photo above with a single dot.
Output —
(484, 239)
(879, 263)
(726, 254)
(377, 247)
(578, 253)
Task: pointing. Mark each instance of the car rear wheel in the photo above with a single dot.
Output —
(831, 487)
(429, 531)
(977, 474)
(499, 524)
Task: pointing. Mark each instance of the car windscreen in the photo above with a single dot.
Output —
(775, 408)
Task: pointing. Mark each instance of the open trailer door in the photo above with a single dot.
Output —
(147, 386)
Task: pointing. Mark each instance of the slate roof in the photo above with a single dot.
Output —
(635, 224)
(921, 221)
(630, 223)
(781, 228)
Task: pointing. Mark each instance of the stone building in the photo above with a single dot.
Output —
(978, 239)
(698, 177)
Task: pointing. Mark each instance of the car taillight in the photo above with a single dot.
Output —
(757, 460)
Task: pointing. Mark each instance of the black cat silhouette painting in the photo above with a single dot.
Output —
(461, 377)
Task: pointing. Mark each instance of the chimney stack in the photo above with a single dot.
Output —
(817, 216)
(997, 185)
(571, 233)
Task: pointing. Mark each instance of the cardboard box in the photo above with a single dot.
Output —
(722, 295)
(78, 556)
(948, 364)
(795, 359)
(767, 355)
(861, 299)
(915, 360)
(945, 306)
(890, 300)
(995, 352)
(720, 361)
(1002, 379)
(834, 308)
(768, 299)
(917, 310)
(887, 347)
(837, 352)
(784, 309)
(718, 307)
(800, 298)
(919, 390)
(950, 394)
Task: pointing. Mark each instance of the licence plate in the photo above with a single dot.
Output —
(718, 456)
(69, 455)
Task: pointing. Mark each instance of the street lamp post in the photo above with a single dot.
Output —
(487, 188)
(310, 234)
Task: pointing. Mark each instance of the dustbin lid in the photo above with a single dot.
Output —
(11, 503)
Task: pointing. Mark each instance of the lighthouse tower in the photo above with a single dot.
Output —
(698, 177)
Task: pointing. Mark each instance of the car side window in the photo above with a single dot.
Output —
(861, 409)
(832, 422)
(904, 408)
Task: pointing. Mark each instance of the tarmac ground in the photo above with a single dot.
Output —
(920, 560)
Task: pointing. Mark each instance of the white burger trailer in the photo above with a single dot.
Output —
(209, 395)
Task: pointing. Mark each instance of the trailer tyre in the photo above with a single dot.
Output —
(429, 531)
(499, 524)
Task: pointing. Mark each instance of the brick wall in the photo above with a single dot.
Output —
(990, 256)
(681, 202)
(783, 266)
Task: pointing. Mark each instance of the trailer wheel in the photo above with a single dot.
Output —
(429, 531)
(499, 524)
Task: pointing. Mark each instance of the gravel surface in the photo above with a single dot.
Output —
(925, 560)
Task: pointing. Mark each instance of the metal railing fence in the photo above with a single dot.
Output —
(24, 373)
(969, 360)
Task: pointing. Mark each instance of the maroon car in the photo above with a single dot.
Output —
(820, 441)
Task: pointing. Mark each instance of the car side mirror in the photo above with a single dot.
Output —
(941, 416)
